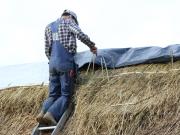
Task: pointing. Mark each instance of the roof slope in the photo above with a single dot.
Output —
(141, 100)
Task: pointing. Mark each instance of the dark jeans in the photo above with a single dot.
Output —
(60, 91)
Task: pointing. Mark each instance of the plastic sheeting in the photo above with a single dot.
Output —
(120, 57)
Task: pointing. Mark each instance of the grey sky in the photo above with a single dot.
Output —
(110, 24)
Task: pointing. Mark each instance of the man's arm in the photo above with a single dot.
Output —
(48, 40)
(74, 28)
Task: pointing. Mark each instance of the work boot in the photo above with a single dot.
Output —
(40, 116)
(49, 119)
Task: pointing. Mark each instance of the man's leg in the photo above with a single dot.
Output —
(54, 93)
(61, 104)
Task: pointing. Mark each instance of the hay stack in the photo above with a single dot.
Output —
(137, 100)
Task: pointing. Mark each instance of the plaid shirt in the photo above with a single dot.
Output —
(68, 30)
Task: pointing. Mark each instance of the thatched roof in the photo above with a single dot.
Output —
(141, 100)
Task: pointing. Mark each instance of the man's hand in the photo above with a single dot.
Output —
(93, 50)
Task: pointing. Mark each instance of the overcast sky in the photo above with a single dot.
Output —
(109, 23)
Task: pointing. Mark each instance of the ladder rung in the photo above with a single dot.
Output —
(47, 128)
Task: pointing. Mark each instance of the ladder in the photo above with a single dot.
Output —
(39, 129)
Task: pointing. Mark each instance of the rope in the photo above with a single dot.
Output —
(102, 68)
(102, 59)
(93, 62)
(155, 72)
(94, 58)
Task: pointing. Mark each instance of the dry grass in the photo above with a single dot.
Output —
(129, 104)
(19, 106)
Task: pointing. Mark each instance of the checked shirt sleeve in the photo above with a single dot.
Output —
(74, 28)
(48, 42)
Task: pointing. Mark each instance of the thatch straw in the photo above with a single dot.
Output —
(139, 103)
(19, 106)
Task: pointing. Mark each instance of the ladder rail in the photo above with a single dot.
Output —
(63, 120)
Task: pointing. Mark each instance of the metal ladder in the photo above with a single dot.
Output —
(54, 130)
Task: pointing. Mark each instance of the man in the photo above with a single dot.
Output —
(60, 48)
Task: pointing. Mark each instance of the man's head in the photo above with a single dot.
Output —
(71, 14)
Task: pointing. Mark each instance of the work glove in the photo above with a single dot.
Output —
(93, 50)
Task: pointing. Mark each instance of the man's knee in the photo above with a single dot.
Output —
(65, 98)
